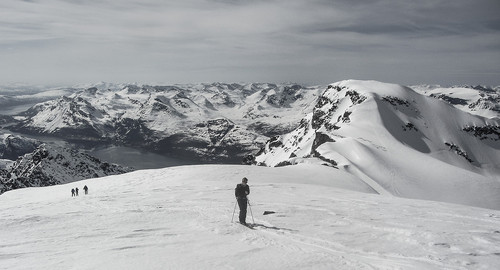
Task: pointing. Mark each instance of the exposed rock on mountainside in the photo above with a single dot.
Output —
(487, 132)
(50, 165)
(480, 100)
(203, 123)
(11, 146)
(389, 134)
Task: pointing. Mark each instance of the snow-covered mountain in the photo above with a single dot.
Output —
(399, 142)
(204, 122)
(480, 100)
(50, 165)
(13, 146)
(18, 98)
(361, 151)
(180, 218)
(442, 141)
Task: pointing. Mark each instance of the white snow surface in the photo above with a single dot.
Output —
(180, 218)
(398, 142)
(472, 101)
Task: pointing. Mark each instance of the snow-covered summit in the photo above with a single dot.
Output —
(399, 141)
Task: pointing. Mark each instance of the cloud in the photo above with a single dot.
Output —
(275, 40)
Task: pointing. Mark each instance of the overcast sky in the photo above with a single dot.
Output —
(310, 41)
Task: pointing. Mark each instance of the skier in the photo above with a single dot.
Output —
(72, 192)
(76, 191)
(241, 191)
(86, 189)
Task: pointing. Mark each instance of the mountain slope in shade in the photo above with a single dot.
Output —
(390, 136)
(399, 141)
(13, 146)
(203, 122)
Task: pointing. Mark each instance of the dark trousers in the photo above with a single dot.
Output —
(242, 203)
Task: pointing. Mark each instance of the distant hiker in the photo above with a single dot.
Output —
(72, 192)
(241, 191)
(86, 189)
(76, 191)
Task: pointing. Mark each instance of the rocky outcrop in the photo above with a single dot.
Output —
(51, 165)
(12, 146)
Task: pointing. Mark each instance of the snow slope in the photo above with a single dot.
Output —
(180, 218)
(399, 142)
(479, 100)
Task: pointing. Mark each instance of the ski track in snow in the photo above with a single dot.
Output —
(180, 218)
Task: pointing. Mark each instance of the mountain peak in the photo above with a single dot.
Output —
(389, 134)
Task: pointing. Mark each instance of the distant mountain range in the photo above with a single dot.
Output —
(214, 123)
(433, 137)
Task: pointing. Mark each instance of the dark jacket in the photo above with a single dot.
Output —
(241, 191)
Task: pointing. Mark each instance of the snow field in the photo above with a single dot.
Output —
(180, 218)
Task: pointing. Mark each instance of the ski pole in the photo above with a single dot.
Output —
(234, 211)
(250, 207)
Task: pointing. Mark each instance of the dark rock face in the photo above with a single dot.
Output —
(355, 97)
(284, 98)
(451, 100)
(131, 131)
(410, 127)
(326, 116)
(212, 141)
(487, 132)
(11, 147)
(459, 151)
(395, 101)
(320, 139)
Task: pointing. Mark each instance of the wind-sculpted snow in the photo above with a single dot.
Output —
(180, 218)
(399, 141)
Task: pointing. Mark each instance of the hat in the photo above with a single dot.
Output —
(244, 179)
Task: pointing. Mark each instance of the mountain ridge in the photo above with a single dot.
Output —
(159, 117)
(50, 164)
(391, 134)
(387, 135)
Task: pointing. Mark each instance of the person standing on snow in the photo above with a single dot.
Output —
(241, 191)
(86, 189)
